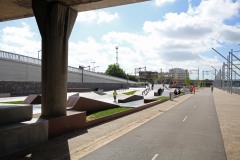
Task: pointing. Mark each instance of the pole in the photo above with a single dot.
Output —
(231, 59)
(116, 55)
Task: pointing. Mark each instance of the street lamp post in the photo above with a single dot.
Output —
(38, 53)
(93, 66)
(116, 55)
(82, 67)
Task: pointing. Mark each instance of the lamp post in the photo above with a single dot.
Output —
(116, 55)
(38, 53)
(93, 66)
(82, 67)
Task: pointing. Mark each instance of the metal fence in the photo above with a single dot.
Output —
(228, 77)
(17, 57)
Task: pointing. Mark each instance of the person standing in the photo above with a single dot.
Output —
(193, 89)
(115, 95)
(211, 88)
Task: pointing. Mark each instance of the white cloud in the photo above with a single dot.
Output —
(176, 41)
(97, 16)
(162, 2)
(20, 40)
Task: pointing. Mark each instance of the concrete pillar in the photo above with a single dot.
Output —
(55, 22)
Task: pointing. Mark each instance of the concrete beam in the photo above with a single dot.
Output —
(15, 9)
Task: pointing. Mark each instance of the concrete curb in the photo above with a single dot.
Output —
(121, 114)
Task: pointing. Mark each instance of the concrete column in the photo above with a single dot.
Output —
(55, 22)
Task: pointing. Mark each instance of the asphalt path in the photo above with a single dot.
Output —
(189, 131)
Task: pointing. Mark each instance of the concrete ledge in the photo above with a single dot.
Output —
(15, 113)
(60, 125)
(19, 136)
(4, 95)
(121, 114)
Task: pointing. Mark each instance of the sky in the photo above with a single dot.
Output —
(158, 34)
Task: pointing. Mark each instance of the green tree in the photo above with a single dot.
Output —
(132, 78)
(187, 81)
(115, 71)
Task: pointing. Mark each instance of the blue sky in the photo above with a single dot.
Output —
(158, 34)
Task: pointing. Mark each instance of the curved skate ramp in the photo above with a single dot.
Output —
(87, 104)
(130, 99)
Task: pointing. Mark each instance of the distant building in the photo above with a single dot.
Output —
(179, 75)
(175, 75)
(148, 74)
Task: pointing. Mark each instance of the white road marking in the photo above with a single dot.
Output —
(185, 118)
(155, 157)
(194, 106)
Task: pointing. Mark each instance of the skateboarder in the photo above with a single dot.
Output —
(115, 95)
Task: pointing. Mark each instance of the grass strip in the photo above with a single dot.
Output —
(161, 98)
(107, 112)
(13, 102)
(130, 92)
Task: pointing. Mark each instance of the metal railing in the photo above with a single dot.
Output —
(146, 91)
(19, 58)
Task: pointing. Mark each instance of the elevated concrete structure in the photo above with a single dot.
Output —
(15, 9)
(16, 67)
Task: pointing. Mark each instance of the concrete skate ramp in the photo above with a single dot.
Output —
(87, 104)
(130, 99)
(32, 99)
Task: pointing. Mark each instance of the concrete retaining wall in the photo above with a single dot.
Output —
(30, 70)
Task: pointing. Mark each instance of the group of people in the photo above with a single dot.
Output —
(177, 92)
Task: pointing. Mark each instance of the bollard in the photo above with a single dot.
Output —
(171, 96)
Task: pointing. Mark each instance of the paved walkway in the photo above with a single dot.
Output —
(228, 110)
(78, 144)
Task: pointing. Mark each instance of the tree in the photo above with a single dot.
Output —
(132, 78)
(115, 71)
(187, 81)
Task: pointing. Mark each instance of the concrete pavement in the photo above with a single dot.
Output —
(189, 131)
(228, 110)
(78, 144)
